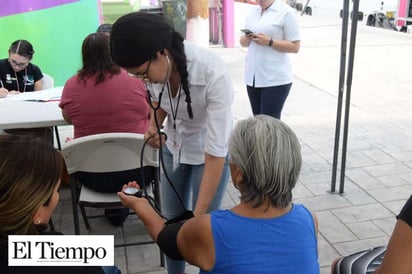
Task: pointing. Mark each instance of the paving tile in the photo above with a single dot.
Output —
(305, 169)
(361, 213)
(392, 193)
(378, 156)
(393, 180)
(408, 164)
(326, 252)
(324, 202)
(316, 162)
(321, 146)
(346, 248)
(358, 159)
(315, 177)
(359, 145)
(403, 156)
(305, 148)
(387, 169)
(386, 224)
(395, 206)
(318, 189)
(333, 229)
(391, 148)
(364, 230)
(407, 177)
(363, 179)
(354, 194)
(300, 191)
(142, 258)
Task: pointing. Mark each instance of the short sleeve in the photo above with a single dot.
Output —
(406, 212)
(37, 74)
(291, 27)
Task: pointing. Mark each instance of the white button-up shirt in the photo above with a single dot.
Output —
(212, 95)
(268, 66)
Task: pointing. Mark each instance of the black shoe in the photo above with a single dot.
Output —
(116, 216)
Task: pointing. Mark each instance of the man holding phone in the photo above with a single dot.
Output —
(268, 71)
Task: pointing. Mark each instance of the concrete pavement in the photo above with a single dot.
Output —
(379, 160)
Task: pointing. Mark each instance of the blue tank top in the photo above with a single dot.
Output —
(281, 245)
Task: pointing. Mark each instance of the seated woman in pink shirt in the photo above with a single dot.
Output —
(103, 98)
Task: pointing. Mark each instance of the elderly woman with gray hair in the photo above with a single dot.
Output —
(265, 232)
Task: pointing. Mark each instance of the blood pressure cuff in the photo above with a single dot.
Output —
(167, 240)
(406, 212)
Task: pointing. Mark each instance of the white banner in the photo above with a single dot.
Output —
(63, 250)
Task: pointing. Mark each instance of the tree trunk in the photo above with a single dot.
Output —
(198, 22)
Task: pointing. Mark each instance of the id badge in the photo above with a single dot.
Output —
(176, 149)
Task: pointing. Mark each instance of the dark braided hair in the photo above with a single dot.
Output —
(178, 52)
(137, 37)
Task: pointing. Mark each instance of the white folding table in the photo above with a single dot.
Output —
(27, 114)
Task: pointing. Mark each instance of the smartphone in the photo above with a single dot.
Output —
(246, 31)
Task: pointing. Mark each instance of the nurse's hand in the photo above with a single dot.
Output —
(152, 135)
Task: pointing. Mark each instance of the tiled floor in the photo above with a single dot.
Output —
(378, 177)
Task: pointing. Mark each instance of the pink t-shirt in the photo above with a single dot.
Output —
(118, 104)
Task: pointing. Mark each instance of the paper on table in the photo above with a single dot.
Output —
(51, 94)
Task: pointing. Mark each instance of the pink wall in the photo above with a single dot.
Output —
(401, 12)
(228, 23)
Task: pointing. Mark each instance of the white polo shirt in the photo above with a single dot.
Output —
(269, 66)
(212, 97)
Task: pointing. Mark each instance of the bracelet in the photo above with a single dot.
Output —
(270, 42)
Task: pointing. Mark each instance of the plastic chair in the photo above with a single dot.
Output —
(47, 81)
(107, 153)
(363, 262)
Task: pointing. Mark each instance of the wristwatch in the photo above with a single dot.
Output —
(270, 42)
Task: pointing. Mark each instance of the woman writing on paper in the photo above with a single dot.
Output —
(17, 73)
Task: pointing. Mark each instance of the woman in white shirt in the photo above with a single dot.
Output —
(268, 72)
(190, 87)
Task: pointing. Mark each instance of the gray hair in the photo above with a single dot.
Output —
(268, 153)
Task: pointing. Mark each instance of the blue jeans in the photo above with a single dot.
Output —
(111, 270)
(268, 100)
(186, 179)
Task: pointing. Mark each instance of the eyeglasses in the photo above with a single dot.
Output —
(142, 75)
(20, 65)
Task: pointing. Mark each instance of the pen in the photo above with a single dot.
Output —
(1, 82)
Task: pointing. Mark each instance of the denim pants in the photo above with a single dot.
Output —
(186, 180)
(111, 270)
(268, 100)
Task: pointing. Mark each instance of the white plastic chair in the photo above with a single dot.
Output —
(102, 153)
(47, 81)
